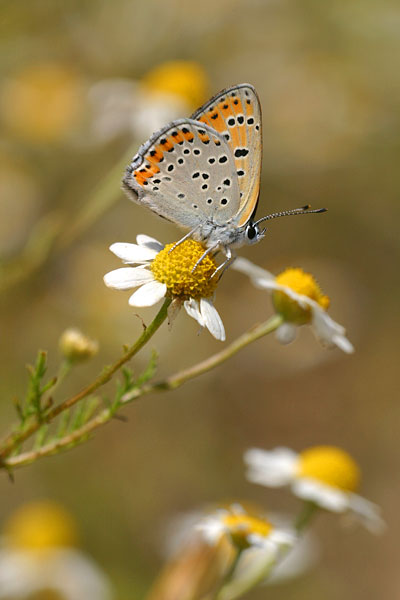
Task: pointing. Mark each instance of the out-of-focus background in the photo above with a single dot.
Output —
(81, 87)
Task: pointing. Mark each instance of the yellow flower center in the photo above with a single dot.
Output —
(39, 526)
(175, 270)
(330, 465)
(184, 78)
(240, 526)
(302, 283)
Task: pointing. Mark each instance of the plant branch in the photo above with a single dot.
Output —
(18, 437)
(107, 414)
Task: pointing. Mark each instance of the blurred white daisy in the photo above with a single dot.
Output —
(245, 531)
(198, 564)
(297, 297)
(38, 558)
(181, 535)
(168, 91)
(160, 273)
(325, 475)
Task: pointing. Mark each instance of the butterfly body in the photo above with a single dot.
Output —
(203, 173)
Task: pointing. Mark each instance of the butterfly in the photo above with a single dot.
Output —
(203, 172)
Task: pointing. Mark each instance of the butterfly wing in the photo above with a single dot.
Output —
(185, 173)
(236, 114)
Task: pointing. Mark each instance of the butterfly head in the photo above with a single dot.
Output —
(253, 233)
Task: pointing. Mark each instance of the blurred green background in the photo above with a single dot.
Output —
(328, 77)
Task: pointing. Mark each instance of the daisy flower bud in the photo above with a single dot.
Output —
(76, 346)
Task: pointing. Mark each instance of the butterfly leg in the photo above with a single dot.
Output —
(185, 237)
(230, 258)
(202, 257)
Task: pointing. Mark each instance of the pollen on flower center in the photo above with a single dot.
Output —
(330, 465)
(175, 270)
(302, 283)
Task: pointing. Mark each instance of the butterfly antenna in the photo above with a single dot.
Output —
(303, 210)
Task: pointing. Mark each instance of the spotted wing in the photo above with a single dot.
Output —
(236, 114)
(185, 173)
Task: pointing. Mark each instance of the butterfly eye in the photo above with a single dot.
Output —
(252, 233)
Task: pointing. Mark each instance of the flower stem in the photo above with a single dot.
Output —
(304, 517)
(176, 380)
(18, 437)
(227, 578)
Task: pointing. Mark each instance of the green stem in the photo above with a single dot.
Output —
(304, 517)
(19, 437)
(176, 380)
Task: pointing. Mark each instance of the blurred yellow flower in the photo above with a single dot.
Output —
(184, 78)
(41, 525)
(169, 91)
(42, 101)
(330, 465)
(323, 475)
(38, 558)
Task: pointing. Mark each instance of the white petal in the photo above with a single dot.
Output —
(23, 574)
(272, 468)
(330, 332)
(127, 278)
(258, 562)
(297, 561)
(149, 242)
(286, 333)
(280, 537)
(343, 343)
(324, 495)
(132, 253)
(368, 512)
(264, 543)
(253, 271)
(212, 528)
(212, 320)
(148, 294)
(272, 285)
(193, 310)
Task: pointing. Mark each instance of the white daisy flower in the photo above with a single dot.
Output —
(244, 531)
(160, 273)
(37, 557)
(298, 299)
(168, 91)
(180, 537)
(325, 475)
